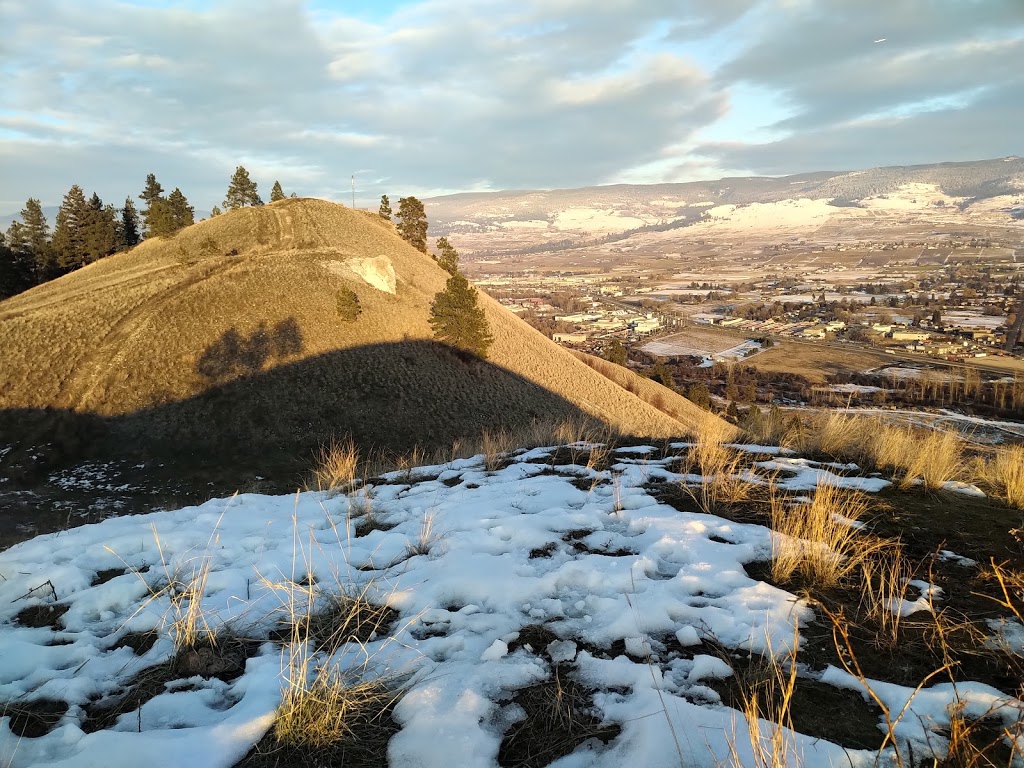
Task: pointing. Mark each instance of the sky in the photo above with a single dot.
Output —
(443, 96)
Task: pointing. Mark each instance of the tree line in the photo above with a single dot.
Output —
(86, 229)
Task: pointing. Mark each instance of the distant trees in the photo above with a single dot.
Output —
(17, 265)
(457, 319)
(128, 232)
(68, 233)
(615, 353)
(152, 195)
(276, 193)
(447, 256)
(85, 230)
(241, 191)
(215, 211)
(412, 223)
(385, 208)
(164, 216)
(182, 214)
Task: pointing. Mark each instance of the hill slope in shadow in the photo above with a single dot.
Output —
(227, 338)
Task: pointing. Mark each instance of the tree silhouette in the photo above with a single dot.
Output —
(276, 193)
(385, 208)
(151, 195)
(182, 213)
(128, 235)
(37, 235)
(241, 191)
(457, 319)
(69, 232)
(412, 223)
(447, 256)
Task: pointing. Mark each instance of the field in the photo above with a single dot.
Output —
(815, 362)
(699, 342)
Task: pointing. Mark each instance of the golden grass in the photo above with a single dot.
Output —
(723, 485)
(1003, 474)
(127, 332)
(322, 708)
(885, 577)
(766, 696)
(934, 460)
(816, 540)
(337, 465)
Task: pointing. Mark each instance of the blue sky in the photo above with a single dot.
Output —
(451, 95)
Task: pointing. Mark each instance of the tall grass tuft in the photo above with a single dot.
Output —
(818, 541)
(1004, 474)
(935, 460)
(337, 465)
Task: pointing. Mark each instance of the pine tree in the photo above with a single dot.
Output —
(151, 196)
(447, 256)
(69, 231)
(615, 353)
(458, 320)
(37, 235)
(161, 221)
(182, 213)
(128, 235)
(17, 265)
(412, 223)
(99, 230)
(215, 212)
(385, 208)
(276, 193)
(241, 191)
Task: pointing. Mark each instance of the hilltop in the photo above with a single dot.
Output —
(223, 346)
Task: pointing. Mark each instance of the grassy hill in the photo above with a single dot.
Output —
(224, 343)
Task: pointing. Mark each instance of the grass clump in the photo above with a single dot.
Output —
(559, 716)
(329, 711)
(934, 460)
(819, 541)
(724, 483)
(337, 465)
(1003, 474)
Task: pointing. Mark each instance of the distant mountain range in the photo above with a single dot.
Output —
(975, 180)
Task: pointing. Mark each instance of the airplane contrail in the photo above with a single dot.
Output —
(881, 40)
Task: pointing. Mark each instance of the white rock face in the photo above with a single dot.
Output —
(378, 273)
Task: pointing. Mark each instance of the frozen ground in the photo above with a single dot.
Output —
(460, 565)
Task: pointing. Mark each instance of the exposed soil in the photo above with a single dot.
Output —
(32, 719)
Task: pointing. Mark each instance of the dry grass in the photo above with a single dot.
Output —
(885, 577)
(725, 482)
(184, 586)
(252, 322)
(325, 708)
(337, 465)
(935, 460)
(816, 541)
(1003, 474)
(495, 446)
(766, 695)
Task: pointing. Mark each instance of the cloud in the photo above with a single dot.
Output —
(444, 95)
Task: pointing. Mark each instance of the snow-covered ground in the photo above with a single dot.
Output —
(645, 574)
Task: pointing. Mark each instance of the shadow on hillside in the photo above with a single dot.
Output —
(234, 355)
(269, 425)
